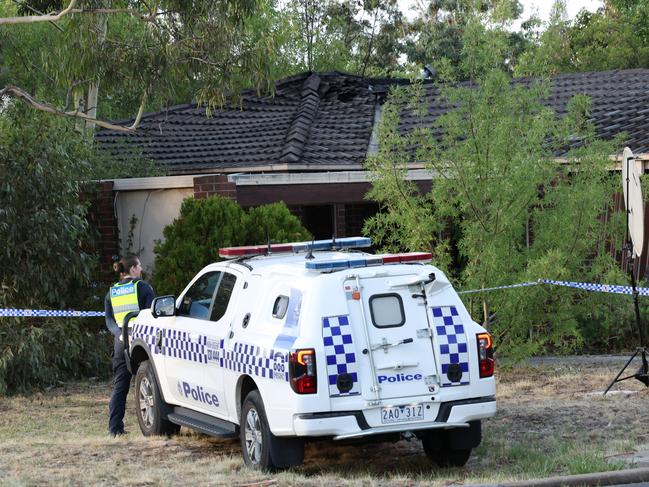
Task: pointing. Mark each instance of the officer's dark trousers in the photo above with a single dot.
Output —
(121, 385)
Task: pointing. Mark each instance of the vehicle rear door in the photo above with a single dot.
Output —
(397, 359)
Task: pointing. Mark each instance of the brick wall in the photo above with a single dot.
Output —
(205, 186)
(101, 216)
(355, 216)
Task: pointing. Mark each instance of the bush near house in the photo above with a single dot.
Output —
(193, 240)
(45, 264)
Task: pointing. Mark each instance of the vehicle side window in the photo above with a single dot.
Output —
(280, 307)
(387, 310)
(198, 298)
(223, 296)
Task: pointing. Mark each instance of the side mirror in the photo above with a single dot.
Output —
(163, 306)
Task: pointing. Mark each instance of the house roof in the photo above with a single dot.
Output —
(619, 103)
(324, 121)
(313, 122)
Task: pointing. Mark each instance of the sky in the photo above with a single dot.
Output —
(543, 7)
(529, 7)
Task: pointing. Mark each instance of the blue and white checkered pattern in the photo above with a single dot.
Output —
(48, 313)
(146, 333)
(176, 343)
(255, 360)
(452, 343)
(584, 286)
(340, 353)
(602, 288)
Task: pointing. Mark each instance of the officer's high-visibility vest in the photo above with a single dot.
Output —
(123, 298)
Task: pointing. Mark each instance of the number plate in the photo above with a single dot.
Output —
(400, 414)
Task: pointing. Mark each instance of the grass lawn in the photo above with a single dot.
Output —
(549, 422)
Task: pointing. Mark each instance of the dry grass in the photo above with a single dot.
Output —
(549, 422)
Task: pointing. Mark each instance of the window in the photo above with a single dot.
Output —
(223, 296)
(198, 298)
(280, 307)
(387, 310)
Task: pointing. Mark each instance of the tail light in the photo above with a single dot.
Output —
(485, 354)
(302, 372)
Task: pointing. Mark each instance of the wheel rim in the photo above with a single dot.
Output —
(145, 398)
(253, 436)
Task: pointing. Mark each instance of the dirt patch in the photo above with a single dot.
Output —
(552, 419)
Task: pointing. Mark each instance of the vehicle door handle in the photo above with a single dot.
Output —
(193, 337)
(385, 344)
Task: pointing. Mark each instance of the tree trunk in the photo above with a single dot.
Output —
(93, 89)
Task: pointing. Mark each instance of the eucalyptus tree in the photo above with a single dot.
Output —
(616, 36)
(144, 53)
(363, 37)
(502, 209)
(436, 35)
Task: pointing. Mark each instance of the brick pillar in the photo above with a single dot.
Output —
(101, 215)
(205, 186)
(340, 217)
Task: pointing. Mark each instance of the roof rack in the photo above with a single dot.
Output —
(295, 247)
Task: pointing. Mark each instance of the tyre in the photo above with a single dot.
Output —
(441, 453)
(262, 450)
(150, 407)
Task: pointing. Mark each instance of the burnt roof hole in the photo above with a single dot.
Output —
(346, 96)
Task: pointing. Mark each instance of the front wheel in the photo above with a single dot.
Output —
(149, 404)
(261, 449)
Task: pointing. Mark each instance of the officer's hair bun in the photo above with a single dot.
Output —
(119, 267)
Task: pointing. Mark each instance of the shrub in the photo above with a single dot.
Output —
(43, 225)
(193, 240)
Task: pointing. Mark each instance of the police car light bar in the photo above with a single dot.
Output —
(330, 244)
(367, 261)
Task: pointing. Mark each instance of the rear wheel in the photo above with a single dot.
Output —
(149, 404)
(448, 448)
(445, 457)
(261, 449)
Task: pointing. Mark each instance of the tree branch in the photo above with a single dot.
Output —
(29, 19)
(21, 94)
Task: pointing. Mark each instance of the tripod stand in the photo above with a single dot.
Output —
(642, 373)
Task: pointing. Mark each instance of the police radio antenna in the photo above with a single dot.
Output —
(634, 242)
(309, 255)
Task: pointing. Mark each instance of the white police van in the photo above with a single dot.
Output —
(287, 342)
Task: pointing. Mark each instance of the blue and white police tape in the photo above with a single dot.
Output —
(48, 313)
(583, 286)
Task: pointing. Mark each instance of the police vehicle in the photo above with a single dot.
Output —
(288, 342)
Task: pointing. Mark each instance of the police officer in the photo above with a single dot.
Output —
(130, 294)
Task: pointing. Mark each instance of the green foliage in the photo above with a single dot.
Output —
(42, 221)
(41, 352)
(193, 240)
(438, 34)
(171, 50)
(518, 214)
(364, 38)
(615, 37)
(43, 162)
